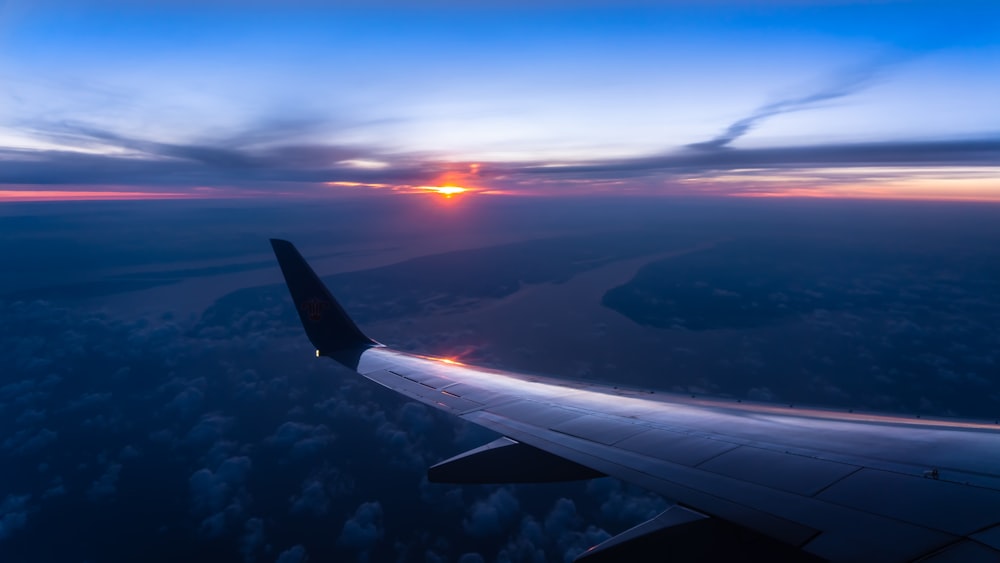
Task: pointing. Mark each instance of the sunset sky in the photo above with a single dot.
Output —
(790, 202)
(885, 99)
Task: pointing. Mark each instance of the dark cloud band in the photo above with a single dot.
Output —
(246, 163)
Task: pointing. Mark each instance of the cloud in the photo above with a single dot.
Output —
(209, 429)
(106, 485)
(362, 531)
(26, 442)
(560, 535)
(563, 524)
(958, 152)
(526, 545)
(55, 489)
(89, 400)
(253, 538)
(561, 518)
(492, 515)
(313, 499)
(211, 490)
(302, 439)
(13, 514)
(221, 494)
(294, 554)
(247, 164)
(187, 402)
(841, 85)
(625, 505)
(763, 394)
(129, 452)
(92, 156)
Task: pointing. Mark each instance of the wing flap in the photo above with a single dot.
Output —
(508, 461)
(610, 550)
(680, 534)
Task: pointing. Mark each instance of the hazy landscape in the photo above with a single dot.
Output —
(143, 426)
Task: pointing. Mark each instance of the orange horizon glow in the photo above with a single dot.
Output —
(917, 190)
(454, 182)
(449, 192)
(67, 195)
(867, 195)
(944, 183)
(971, 184)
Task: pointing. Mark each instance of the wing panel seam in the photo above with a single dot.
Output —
(835, 481)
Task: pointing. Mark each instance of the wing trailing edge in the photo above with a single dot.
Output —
(612, 549)
(508, 461)
(682, 534)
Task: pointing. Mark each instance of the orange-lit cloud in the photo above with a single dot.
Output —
(467, 179)
(359, 185)
(452, 182)
(21, 192)
(960, 169)
(64, 195)
(942, 183)
(446, 191)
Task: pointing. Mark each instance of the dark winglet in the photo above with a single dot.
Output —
(328, 327)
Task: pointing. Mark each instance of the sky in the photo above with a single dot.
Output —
(114, 99)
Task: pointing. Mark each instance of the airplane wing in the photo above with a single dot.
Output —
(840, 486)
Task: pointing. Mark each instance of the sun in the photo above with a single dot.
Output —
(446, 191)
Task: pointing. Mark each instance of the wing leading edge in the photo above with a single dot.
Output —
(839, 486)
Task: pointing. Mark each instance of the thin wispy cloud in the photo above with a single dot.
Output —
(958, 152)
(843, 84)
(95, 156)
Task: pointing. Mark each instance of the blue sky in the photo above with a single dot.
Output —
(296, 97)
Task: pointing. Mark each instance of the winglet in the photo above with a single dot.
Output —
(327, 325)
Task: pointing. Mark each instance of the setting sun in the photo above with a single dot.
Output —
(446, 191)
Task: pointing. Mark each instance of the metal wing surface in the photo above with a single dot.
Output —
(841, 486)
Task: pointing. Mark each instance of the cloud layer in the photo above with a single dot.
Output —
(245, 164)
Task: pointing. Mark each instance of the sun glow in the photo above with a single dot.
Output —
(446, 191)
